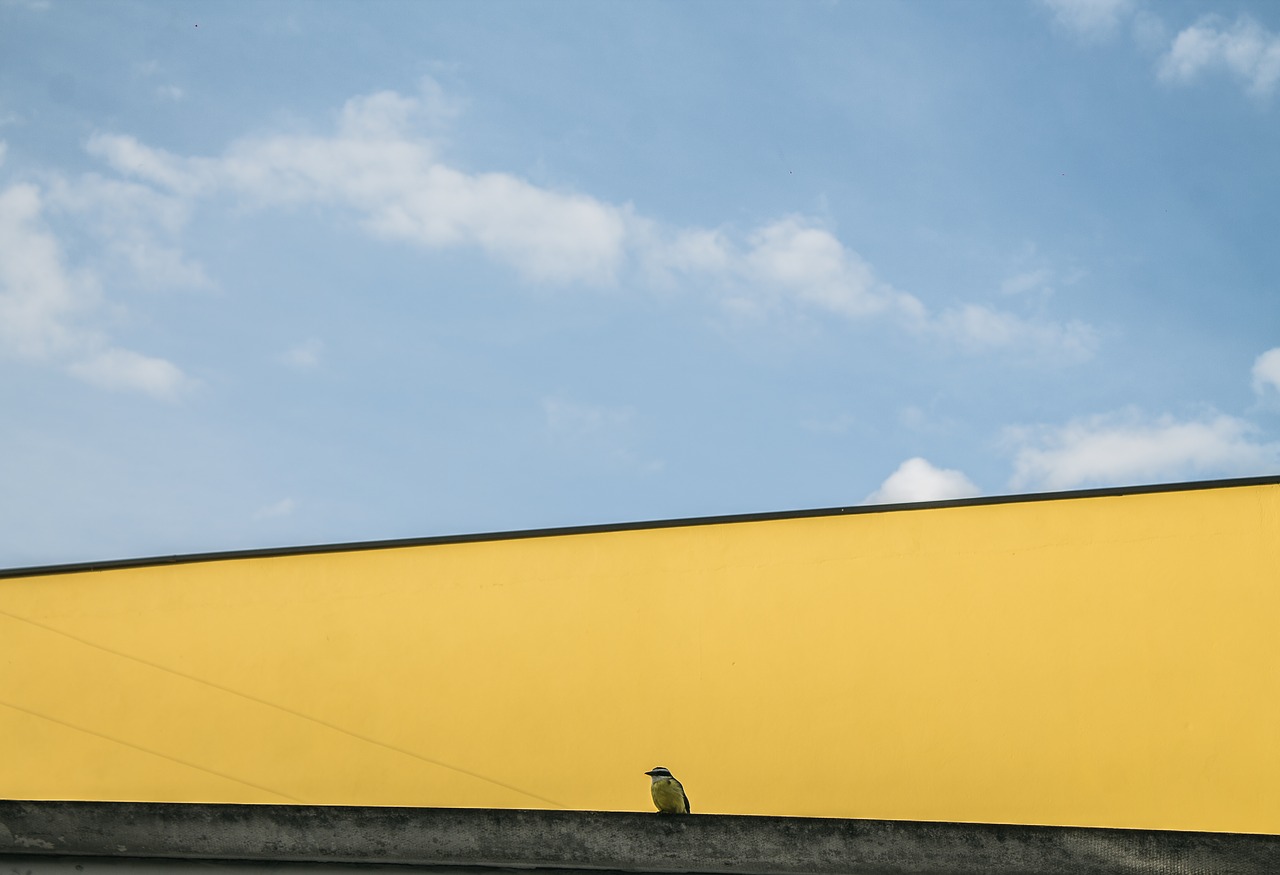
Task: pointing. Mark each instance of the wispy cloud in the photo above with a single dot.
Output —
(1026, 282)
(126, 370)
(166, 91)
(46, 305)
(380, 164)
(137, 226)
(375, 165)
(917, 479)
(981, 328)
(807, 261)
(1245, 49)
(1090, 19)
(1266, 372)
(574, 421)
(1128, 447)
(598, 430)
(304, 356)
(38, 294)
(282, 508)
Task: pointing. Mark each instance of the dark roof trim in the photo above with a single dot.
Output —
(354, 546)
(617, 841)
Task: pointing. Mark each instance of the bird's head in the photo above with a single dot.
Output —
(659, 772)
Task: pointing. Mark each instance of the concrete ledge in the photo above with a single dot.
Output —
(628, 842)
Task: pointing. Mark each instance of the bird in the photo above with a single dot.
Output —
(668, 793)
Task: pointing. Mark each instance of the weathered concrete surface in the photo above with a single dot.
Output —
(612, 841)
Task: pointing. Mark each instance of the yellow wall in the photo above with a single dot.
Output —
(1103, 661)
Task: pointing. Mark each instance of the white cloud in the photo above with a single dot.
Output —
(977, 328)
(170, 92)
(1089, 19)
(1126, 448)
(137, 226)
(44, 305)
(4, 150)
(795, 261)
(126, 155)
(378, 164)
(546, 235)
(38, 294)
(1266, 372)
(156, 265)
(1245, 49)
(917, 480)
(125, 370)
(801, 259)
(113, 202)
(667, 254)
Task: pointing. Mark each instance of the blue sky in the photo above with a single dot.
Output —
(281, 273)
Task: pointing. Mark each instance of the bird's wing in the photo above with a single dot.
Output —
(687, 809)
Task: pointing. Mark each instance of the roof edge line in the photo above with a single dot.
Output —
(639, 525)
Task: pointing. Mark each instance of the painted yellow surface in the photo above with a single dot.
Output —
(1101, 661)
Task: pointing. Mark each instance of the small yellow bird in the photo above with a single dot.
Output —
(668, 793)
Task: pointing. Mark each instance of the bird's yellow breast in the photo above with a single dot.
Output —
(668, 795)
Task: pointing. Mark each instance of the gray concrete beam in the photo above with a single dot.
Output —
(585, 840)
